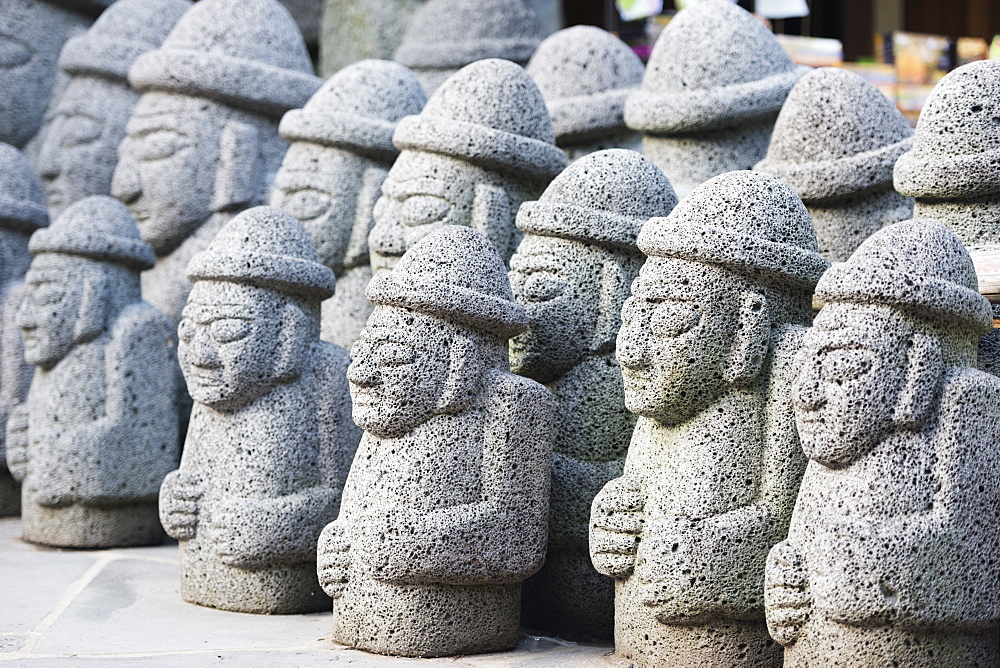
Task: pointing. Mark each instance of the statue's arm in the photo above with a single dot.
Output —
(338, 435)
(15, 373)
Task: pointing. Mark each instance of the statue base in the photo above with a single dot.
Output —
(78, 526)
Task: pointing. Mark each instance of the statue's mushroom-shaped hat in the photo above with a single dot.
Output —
(21, 208)
(128, 29)
(602, 198)
(713, 66)
(457, 275)
(836, 135)
(747, 222)
(98, 228)
(918, 266)
(489, 113)
(585, 74)
(956, 151)
(358, 109)
(246, 53)
(269, 248)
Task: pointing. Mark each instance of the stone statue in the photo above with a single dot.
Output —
(585, 74)
(94, 438)
(893, 556)
(21, 213)
(572, 272)
(341, 150)
(952, 172)
(446, 35)
(713, 87)
(79, 150)
(271, 437)
(446, 505)
(706, 348)
(835, 142)
(481, 147)
(203, 140)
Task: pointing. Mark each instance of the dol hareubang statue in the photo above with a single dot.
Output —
(270, 438)
(706, 347)
(892, 557)
(98, 430)
(446, 505)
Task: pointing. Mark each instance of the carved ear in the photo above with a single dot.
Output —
(614, 292)
(291, 352)
(925, 366)
(93, 308)
(750, 341)
(464, 375)
(492, 215)
(238, 178)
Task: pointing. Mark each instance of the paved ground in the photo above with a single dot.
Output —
(122, 608)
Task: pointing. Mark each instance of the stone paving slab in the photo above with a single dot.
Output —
(123, 608)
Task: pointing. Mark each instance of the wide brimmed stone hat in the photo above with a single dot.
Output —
(98, 228)
(836, 135)
(455, 274)
(745, 221)
(919, 266)
(450, 34)
(269, 248)
(956, 151)
(128, 29)
(246, 53)
(21, 208)
(491, 114)
(358, 109)
(585, 74)
(603, 198)
(713, 66)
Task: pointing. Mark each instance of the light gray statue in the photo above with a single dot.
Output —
(572, 272)
(706, 348)
(835, 142)
(341, 150)
(585, 74)
(446, 505)
(271, 437)
(446, 35)
(893, 555)
(713, 87)
(203, 140)
(481, 147)
(21, 213)
(95, 436)
(79, 149)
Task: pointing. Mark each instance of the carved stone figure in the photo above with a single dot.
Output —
(446, 35)
(95, 437)
(713, 87)
(341, 150)
(481, 147)
(203, 140)
(271, 437)
(446, 505)
(21, 213)
(585, 74)
(706, 348)
(893, 556)
(835, 142)
(79, 150)
(572, 272)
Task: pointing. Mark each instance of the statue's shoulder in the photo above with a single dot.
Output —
(963, 387)
(519, 394)
(142, 319)
(330, 360)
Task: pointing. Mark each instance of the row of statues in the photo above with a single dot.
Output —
(573, 400)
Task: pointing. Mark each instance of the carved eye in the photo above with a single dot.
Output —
(673, 319)
(48, 294)
(160, 145)
(843, 365)
(307, 204)
(13, 53)
(543, 287)
(185, 330)
(78, 130)
(394, 354)
(228, 330)
(423, 210)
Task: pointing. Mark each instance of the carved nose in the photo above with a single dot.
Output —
(202, 352)
(631, 349)
(26, 314)
(386, 237)
(125, 184)
(362, 374)
(48, 158)
(807, 391)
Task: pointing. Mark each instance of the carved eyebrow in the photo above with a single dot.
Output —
(203, 313)
(659, 291)
(76, 107)
(386, 334)
(539, 262)
(301, 179)
(416, 186)
(159, 122)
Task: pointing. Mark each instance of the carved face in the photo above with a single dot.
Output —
(80, 150)
(674, 342)
(320, 186)
(559, 284)
(167, 166)
(50, 308)
(850, 370)
(230, 337)
(399, 369)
